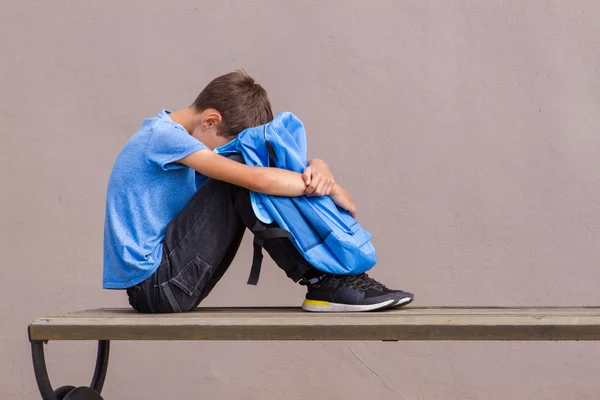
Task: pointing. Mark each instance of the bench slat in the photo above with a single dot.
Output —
(411, 323)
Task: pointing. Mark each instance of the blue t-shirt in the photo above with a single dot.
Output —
(146, 190)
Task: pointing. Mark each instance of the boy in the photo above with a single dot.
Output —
(176, 211)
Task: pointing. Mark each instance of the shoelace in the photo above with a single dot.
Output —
(362, 282)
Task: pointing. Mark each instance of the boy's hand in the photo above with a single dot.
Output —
(342, 199)
(318, 179)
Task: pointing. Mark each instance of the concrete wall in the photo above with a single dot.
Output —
(468, 131)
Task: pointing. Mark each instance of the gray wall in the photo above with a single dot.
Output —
(468, 132)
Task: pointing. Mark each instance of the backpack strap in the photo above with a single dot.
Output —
(262, 233)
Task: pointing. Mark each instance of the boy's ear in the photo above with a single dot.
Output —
(211, 120)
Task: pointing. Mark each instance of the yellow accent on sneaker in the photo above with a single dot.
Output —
(316, 303)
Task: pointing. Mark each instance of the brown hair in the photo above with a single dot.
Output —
(242, 102)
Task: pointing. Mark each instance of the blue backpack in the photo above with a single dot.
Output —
(328, 237)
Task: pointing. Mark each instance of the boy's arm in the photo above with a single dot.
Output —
(272, 181)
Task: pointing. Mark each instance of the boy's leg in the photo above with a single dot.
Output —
(200, 244)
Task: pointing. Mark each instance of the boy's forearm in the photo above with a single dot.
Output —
(281, 182)
(272, 181)
(336, 189)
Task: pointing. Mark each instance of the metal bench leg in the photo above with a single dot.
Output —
(101, 365)
(69, 392)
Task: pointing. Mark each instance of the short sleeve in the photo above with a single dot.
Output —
(169, 143)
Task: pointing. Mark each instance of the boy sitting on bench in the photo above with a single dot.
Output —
(168, 242)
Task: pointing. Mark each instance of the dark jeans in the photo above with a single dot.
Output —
(200, 244)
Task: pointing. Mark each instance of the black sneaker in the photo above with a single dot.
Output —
(349, 293)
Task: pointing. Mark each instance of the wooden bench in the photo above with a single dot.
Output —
(411, 323)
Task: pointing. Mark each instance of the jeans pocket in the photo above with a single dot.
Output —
(191, 280)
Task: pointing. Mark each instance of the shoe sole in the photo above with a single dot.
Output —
(325, 306)
(402, 302)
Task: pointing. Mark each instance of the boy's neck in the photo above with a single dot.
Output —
(185, 117)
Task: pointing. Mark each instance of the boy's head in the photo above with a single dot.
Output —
(228, 105)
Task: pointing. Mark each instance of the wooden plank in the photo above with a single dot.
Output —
(124, 312)
(411, 323)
